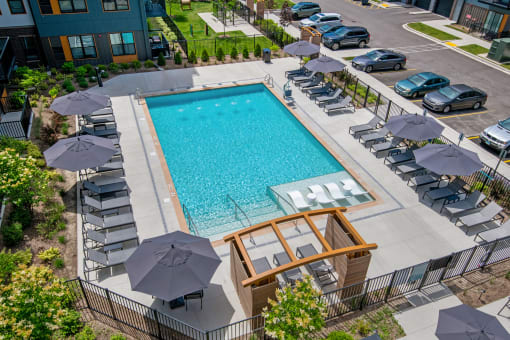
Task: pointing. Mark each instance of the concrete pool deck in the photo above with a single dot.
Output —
(406, 230)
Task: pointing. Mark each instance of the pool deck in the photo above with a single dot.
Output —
(405, 229)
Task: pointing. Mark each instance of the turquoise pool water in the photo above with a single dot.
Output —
(233, 141)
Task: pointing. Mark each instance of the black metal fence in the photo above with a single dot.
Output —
(274, 32)
(227, 44)
(181, 39)
(146, 320)
(15, 128)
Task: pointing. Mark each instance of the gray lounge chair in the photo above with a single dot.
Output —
(109, 258)
(426, 179)
(397, 157)
(408, 168)
(302, 79)
(87, 130)
(374, 136)
(110, 166)
(102, 112)
(496, 233)
(455, 207)
(290, 276)
(99, 119)
(117, 236)
(345, 103)
(261, 265)
(453, 188)
(319, 91)
(299, 71)
(485, 215)
(314, 82)
(371, 125)
(113, 184)
(106, 222)
(391, 144)
(321, 269)
(107, 204)
(328, 99)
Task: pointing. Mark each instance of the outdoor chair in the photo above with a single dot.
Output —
(99, 119)
(335, 191)
(87, 130)
(373, 137)
(486, 214)
(322, 198)
(290, 276)
(261, 265)
(355, 190)
(303, 73)
(110, 166)
(314, 82)
(328, 99)
(112, 184)
(102, 112)
(456, 207)
(106, 222)
(319, 91)
(407, 169)
(106, 204)
(440, 193)
(117, 236)
(298, 199)
(494, 234)
(299, 71)
(371, 125)
(109, 258)
(320, 269)
(305, 78)
(422, 180)
(344, 103)
(199, 294)
(388, 145)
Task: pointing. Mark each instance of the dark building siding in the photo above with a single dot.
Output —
(16, 34)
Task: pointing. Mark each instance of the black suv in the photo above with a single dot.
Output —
(304, 10)
(345, 36)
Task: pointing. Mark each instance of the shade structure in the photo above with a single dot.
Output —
(172, 265)
(414, 127)
(448, 159)
(79, 103)
(467, 323)
(324, 64)
(80, 152)
(301, 48)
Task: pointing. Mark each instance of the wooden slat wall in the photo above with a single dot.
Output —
(238, 274)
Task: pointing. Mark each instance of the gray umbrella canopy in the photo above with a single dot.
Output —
(414, 127)
(448, 159)
(301, 48)
(324, 64)
(172, 265)
(466, 323)
(79, 103)
(81, 152)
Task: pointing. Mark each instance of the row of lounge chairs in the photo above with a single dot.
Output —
(323, 94)
(108, 226)
(457, 203)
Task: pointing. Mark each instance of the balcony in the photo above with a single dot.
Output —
(155, 8)
(499, 3)
(7, 59)
(15, 116)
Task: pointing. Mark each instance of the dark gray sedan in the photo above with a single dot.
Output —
(379, 60)
(454, 97)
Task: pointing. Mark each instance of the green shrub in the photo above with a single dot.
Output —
(104, 74)
(124, 66)
(12, 234)
(192, 58)
(91, 73)
(117, 337)
(102, 67)
(274, 48)
(339, 335)
(80, 72)
(59, 76)
(70, 323)
(17, 98)
(58, 263)
(113, 67)
(205, 56)
(52, 81)
(149, 64)
(220, 55)
(53, 92)
(49, 254)
(68, 67)
(177, 58)
(53, 71)
(53, 221)
(136, 64)
(10, 261)
(258, 51)
(362, 327)
(93, 80)
(70, 89)
(21, 215)
(234, 53)
(62, 239)
(86, 333)
(83, 83)
(88, 67)
(161, 59)
(67, 83)
(246, 53)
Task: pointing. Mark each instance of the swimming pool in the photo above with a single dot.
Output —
(233, 142)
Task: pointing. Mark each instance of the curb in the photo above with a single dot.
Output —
(458, 50)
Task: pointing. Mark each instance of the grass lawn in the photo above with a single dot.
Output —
(507, 66)
(474, 49)
(433, 32)
(348, 58)
(456, 28)
(279, 3)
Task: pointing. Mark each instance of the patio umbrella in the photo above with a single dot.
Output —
(301, 48)
(448, 159)
(414, 127)
(465, 322)
(172, 265)
(81, 152)
(325, 64)
(79, 103)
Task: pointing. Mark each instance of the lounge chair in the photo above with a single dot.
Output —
(328, 99)
(455, 207)
(371, 125)
(99, 119)
(373, 137)
(335, 191)
(440, 193)
(290, 276)
(391, 144)
(107, 204)
(322, 198)
(321, 269)
(299, 71)
(496, 233)
(199, 294)
(298, 200)
(487, 214)
(356, 189)
(117, 236)
(110, 166)
(261, 265)
(345, 103)
(102, 112)
(113, 184)
(314, 82)
(87, 130)
(106, 222)
(396, 157)
(302, 79)
(305, 73)
(319, 91)
(109, 258)
(421, 180)
(408, 168)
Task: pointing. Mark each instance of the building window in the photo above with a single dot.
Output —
(72, 6)
(115, 5)
(122, 44)
(30, 48)
(45, 7)
(16, 6)
(82, 46)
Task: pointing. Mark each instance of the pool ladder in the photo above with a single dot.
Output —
(269, 79)
(238, 208)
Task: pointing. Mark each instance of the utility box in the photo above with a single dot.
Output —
(266, 55)
(500, 50)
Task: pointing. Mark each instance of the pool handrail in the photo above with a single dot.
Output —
(237, 207)
(189, 219)
(278, 197)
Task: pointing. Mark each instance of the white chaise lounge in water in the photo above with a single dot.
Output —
(355, 188)
(298, 199)
(322, 198)
(335, 191)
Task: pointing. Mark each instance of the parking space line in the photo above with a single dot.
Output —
(449, 43)
(391, 85)
(416, 100)
(473, 137)
(392, 71)
(507, 161)
(464, 114)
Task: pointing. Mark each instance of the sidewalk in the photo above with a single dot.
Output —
(465, 39)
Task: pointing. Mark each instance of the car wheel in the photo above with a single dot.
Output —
(447, 109)
(362, 44)
(414, 95)
(369, 69)
(397, 67)
(335, 46)
(477, 105)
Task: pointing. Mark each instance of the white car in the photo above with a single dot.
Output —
(320, 19)
(498, 136)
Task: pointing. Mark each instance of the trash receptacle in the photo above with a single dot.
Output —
(266, 55)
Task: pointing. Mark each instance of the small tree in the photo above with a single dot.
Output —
(258, 51)
(205, 56)
(192, 58)
(246, 53)
(220, 55)
(177, 58)
(234, 53)
(296, 313)
(161, 59)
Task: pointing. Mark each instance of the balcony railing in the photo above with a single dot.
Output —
(15, 116)
(7, 59)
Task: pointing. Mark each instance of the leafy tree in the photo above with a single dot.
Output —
(220, 55)
(12, 234)
(161, 59)
(178, 58)
(258, 51)
(68, 67)
(192, 58)
(234, 53)
(246, 53)
(9, 262)
(205, 56)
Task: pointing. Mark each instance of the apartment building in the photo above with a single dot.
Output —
(486, 16)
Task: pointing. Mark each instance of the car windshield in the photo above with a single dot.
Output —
(297, 6)
(324, 28)
(505, 124)
(417, 80)
(340, 31)
(315, 17)
(449, 92)
(373, 55)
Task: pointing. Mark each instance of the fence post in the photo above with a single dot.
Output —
(110, 303)
(446, 268)
(84, 294)
(402, 111)
(388, 110)
(489, 254)
(377, 104)
(157, 323)
(469, 260)
(388, 289)
(366, 96)
(356, 88)
(425, 275)
(364, 295)
(214, 45)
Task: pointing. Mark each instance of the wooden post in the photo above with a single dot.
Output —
(250, 5)
(260, 9)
